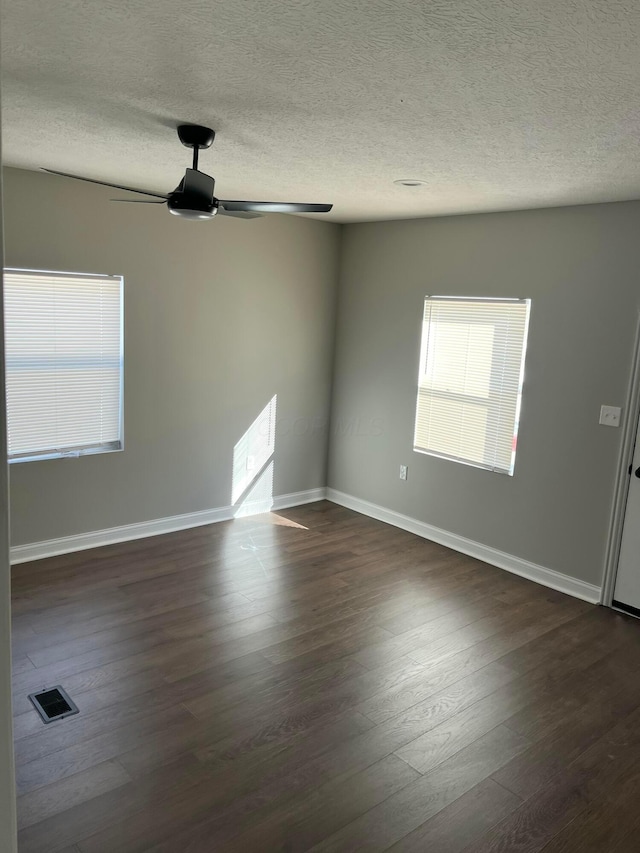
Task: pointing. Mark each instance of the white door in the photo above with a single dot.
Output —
(627, 589)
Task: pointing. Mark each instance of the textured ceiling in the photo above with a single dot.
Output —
(497, 104)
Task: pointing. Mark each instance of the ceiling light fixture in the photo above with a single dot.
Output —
(410, 182)
(193, 198)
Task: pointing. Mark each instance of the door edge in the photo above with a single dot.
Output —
(630, 421)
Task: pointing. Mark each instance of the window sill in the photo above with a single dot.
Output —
(66, 454)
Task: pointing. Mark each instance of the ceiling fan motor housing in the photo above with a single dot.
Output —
(194, 197)
(189, 207)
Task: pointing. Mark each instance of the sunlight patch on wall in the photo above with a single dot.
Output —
(259, 497)
(253, 464)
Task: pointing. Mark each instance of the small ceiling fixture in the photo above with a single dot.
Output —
(410, 182)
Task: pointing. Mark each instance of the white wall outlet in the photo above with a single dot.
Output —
(610, 415)
(403, 472)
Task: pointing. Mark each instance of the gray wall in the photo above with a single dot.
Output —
(222, 315)
(580, 266)
(8, 840)
(219, 317)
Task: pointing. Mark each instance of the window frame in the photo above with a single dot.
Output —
(444, 395)
(116, 446)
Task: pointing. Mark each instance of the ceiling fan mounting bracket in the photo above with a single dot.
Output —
(196, 136)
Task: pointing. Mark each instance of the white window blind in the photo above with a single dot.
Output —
(64, 349)
(470, 379)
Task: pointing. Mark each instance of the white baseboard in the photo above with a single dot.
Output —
(143, 529)
(311, 496)
(156, 527)
(516, 565)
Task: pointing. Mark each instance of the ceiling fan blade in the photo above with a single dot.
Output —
(138, 200)
(106, 184)
(198, 185)
(276, 206)
(238, 214)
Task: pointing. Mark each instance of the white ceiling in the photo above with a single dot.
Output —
(497, 104)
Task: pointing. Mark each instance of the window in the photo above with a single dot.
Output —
(63, 338)
(470, 379)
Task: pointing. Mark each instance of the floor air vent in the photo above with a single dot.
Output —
(53, 704)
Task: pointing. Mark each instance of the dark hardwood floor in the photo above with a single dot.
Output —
(316, 680)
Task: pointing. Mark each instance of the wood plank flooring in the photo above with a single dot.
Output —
(316, 680)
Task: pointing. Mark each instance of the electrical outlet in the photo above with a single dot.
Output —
(610, 416)
(403, 472)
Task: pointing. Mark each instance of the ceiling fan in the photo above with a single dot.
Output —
(193, 198)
